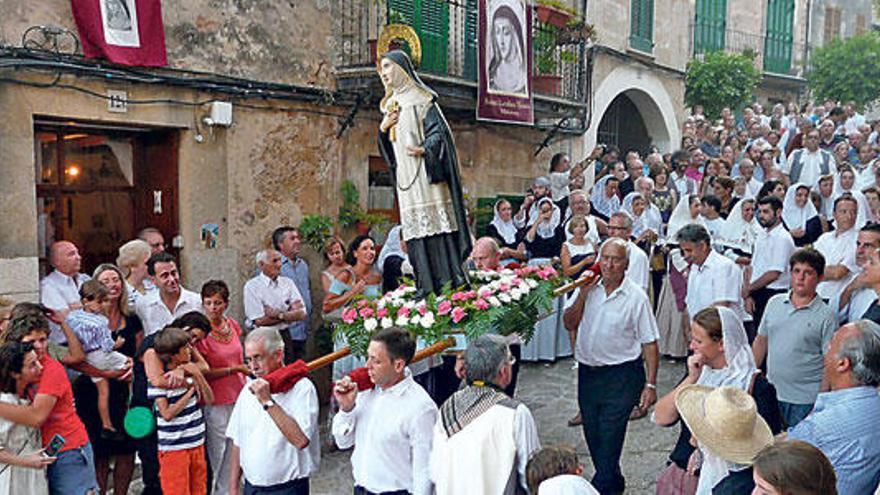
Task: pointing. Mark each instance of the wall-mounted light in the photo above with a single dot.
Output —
(72, 171)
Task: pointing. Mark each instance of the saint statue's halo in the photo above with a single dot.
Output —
(395, 32)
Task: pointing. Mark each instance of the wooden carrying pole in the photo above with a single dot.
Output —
(437, 347)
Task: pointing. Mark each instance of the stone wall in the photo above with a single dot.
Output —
(288, 42)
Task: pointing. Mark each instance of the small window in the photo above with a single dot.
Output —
(642, 25)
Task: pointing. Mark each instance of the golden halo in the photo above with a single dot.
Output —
(393, 32)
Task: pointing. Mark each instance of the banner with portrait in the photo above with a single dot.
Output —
(128, 32)
(504, 61)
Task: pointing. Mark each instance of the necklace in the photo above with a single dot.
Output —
(221, 333)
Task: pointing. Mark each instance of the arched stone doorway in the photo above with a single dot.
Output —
(633, 109)
(623, 126)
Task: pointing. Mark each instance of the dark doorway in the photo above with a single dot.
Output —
(623, 126)
(98, 186)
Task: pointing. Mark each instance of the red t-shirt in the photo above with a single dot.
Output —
(63, 419)
(222, 355)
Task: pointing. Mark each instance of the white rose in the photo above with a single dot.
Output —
(402, 321)
(524, 288)
(415, 319)
(505, 297)
(494, 301)
(381, 302)
(532, 283)
(508, 272)
(409, 304)
(428, 320)
(409, 289)
(516, 294)
(370, 324)
(386, 322)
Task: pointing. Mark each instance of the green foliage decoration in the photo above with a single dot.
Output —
(721, 80)
(847, 70)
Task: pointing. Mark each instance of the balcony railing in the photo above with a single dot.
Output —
(774, 53)
(447, 31)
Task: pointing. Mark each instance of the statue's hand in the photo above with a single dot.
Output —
(389, 120)
(415, 151)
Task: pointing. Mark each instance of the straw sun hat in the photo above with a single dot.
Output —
(725, 420)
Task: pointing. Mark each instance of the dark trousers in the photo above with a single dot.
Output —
(516, 351)
(761, 297)
(606, 396)
(293, 349)
(359, 490)
(148, 451)
(298, 486)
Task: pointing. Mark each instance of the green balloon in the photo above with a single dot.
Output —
(139, 422)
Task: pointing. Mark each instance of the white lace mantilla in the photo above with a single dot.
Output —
(427, 221)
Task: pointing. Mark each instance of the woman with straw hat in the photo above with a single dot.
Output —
(721, 357)
(729, 432)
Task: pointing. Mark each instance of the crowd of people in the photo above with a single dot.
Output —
(752, 254)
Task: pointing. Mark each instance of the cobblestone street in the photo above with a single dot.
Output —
(550, 391)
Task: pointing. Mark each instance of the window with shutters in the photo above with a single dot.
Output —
(430, 19)
(710, 23)
(832, 23)
(641, 35)
(777, 44)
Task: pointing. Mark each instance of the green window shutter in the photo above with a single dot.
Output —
(430, 19)
(433, 32)
(710, 23)
(777, 43)
(642, 25)
(470, 40)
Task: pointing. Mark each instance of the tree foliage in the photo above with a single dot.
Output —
(721, 80)
(847, 70)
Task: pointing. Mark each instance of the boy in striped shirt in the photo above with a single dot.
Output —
(179, 421)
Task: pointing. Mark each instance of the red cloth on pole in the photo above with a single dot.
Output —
(284, 378)
(127, 32)
(362, 378)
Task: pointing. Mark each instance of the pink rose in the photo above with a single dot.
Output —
(362, 303)
(485, 292)
(458, 296)
(382, 312)
(504, 287)
(444, 308)
(481, 304)
(471, 294)
(403, 311)
(422, 309)
(366, 312)
(458, 314)
(349, 315)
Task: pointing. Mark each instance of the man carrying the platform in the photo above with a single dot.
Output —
(390, 425)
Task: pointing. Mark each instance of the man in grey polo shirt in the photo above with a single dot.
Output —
(794, 334)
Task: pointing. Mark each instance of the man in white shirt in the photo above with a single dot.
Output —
(616, 336)
(773, 248)
(839, 249)
(483, 439)
(747, 171)
(270, 299)
(274, 435)
(620, 226)
(713, 280)
(159, 308)
(857, 297)
(59, 290)
(390, 425)
(808, 164)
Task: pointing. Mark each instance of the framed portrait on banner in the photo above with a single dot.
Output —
(505, 61)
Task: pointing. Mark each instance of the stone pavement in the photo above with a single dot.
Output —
(550, 391)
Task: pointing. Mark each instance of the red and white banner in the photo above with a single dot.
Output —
(127, 32)
(504, 92)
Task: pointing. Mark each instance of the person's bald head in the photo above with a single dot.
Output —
(65, 258)
(486, 254)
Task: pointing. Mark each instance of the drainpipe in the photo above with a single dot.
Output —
(807, 35)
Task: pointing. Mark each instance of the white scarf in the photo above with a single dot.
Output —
(680, 217)
(737, 231)
(547, 229)
(794, 216)
(602, 203)
(507, 230)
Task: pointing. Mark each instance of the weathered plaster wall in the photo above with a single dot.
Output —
(286, 41)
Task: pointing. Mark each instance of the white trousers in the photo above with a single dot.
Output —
(218, 446)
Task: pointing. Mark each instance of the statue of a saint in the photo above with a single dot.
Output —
(416, 142)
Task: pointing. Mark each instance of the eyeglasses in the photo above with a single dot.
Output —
(511, 359)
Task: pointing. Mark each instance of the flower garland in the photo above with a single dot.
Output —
(506, 301)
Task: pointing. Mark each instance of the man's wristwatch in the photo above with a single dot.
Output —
(269, 403)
